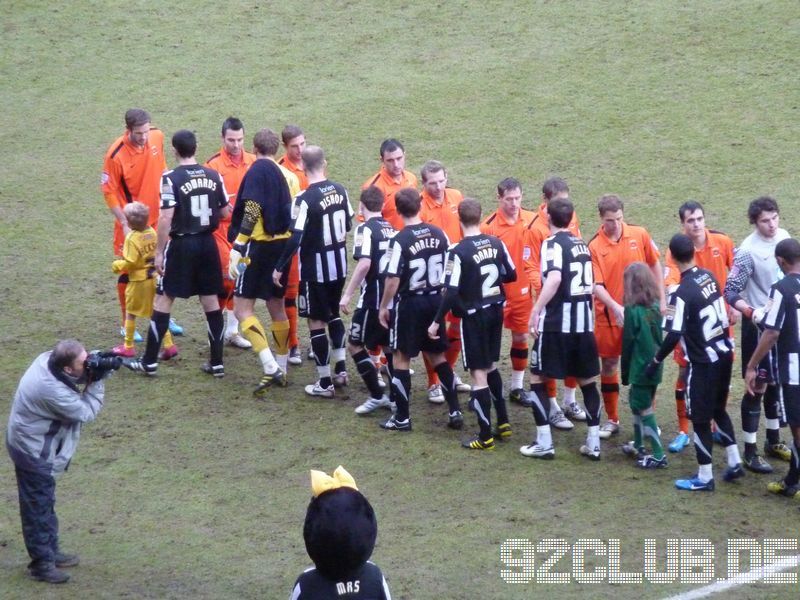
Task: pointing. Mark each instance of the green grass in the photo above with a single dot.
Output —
(187, 487)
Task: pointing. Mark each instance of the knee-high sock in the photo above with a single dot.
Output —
(609, 386)
(122, 285)
(541, 404)
(254, 332)
(570, 382)
(368, 373)
(280, 340)
(130, 328)
(680, 406)
(551, 388)
(650, 429)
(702, 442)
(231, 323)
(751, 415)
(159, 325)
(495, 381)
(637, 430)
(216, 330)
(447, 379)
(771, 399)
(168, 341)
(519, 362)
(337, 333)
(454, 341)
(591, 400)
(319, 344)
(290, 305)
(432, 378)
(401, 393)
(482, 405)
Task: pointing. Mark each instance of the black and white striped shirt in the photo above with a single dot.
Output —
(698, 314)
(372, 241)
(323, 218)
(570, 310)
(783, 314)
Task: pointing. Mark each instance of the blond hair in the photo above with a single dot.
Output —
(137, 215)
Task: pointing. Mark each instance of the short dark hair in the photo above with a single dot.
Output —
(231, 123)
(469, 211)
(761, 205)
(313, 158)
(65, 352)
(508, 184)
(560, 211)
(554, 186)
(788, 250)
(609, 203)
(689, 207)
(682, 248)
(391, 145)
(372, 198)
(407, 202)
(266, 142)
(134, 117)
(430, 167)
(290, 132)
(185, 143)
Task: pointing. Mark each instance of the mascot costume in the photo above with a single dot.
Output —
(340, 532)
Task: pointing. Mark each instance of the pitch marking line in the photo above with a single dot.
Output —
(783, 564)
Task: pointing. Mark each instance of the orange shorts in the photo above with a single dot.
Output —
(517, 313)
(609, 340)
(679, 357)
(293, 285)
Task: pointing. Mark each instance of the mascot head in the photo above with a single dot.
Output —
(340, 527)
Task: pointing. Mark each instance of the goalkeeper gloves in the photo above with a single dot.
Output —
(236, 263)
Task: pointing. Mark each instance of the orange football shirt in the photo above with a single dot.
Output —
(444, 215)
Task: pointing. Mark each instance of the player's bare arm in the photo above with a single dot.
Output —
(549, 289)
(164, 226)
(359, 273)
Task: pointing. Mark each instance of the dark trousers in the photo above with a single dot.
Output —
(37, 499)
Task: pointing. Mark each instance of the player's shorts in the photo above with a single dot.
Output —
(517, 313)
(707, 386)
(767, 368)
(558, 355)
(139, 297)
(640, 397)
(481, 335)
(790, 404)
(293, 283)
(366, 329)
(191, 267)
(320, 301)
(256, 280)
(409, 331)
(609, 340)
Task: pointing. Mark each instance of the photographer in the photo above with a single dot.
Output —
(60, 391)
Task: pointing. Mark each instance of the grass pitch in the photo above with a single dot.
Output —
(187, 487)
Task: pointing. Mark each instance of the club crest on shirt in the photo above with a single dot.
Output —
(669, 315)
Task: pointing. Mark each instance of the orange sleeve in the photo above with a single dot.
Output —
(110, 183)
(671, 274)
(597, 268)
(651, 253)
(533, 264)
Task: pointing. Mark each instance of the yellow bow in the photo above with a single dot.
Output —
(322, 482)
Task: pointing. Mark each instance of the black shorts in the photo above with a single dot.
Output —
(558, 355)
(707, 386)
(481, 334)
(256, 280)
(790, 404)
(412, 317)
(320, 301)
(366, 330)
(767, 367)
(191, 267)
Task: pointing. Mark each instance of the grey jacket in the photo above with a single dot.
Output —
(46, 417)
